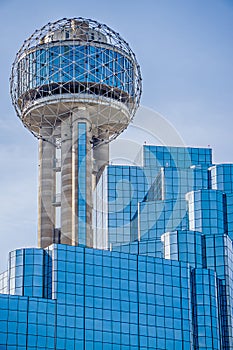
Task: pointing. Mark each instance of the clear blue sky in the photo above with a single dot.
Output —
(186, 55)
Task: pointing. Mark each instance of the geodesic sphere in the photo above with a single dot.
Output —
(76, 63)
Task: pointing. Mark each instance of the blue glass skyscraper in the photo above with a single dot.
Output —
(163, 282)
(143, 258)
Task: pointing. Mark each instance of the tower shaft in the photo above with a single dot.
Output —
(82, 180)
(76, 184)
(66, 181)
(47, 190)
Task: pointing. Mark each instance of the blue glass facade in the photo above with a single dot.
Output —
(161, 278)
(100, 300)
(75, 63)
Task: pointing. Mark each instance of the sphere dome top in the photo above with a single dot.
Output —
(72, 63)
(86, 26)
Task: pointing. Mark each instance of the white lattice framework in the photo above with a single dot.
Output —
(75, 63)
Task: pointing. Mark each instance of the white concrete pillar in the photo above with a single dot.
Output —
(66, 181)
(47, 188)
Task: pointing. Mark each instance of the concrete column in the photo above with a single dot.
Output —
(82, 226)
(47, 188)
(66, 182)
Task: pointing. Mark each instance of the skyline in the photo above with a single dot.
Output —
(186, 76)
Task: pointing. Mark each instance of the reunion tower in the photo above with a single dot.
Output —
(76, 86)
